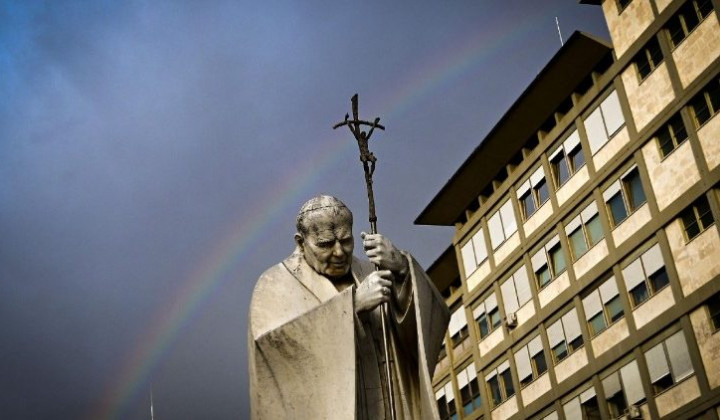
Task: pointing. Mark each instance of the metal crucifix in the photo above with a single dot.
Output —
(368, 160)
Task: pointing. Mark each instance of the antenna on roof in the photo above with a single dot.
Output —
(152, 411)
(557, 23)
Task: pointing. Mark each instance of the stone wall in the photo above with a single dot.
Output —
(648, 97)
(672, 176)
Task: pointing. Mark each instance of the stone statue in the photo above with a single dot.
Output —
(314, 334)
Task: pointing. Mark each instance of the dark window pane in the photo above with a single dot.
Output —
(495, 390)
(495, 318)
(659, 279)
(528, 205)
(618, 212)
(543, 276)
(614, 309)
(617, 404)
(675, 30)
(639, 294)
(507, 382)
(576, 343)
(656, 56)
(590, 409)
(623, 3)
(703, 210)
(643, 65)
(713, 305)
(700, 108)
(542, 191)
(560, 351)
(634, 189)
(596, 324)
(577, 242)
(557, 259)
(562, 172)
(714, 96)
(483, 324)
(665, 141)
(540, 364)
(442, 408)
(678, 129)
(594, 230)
(577, 158)
(705, 7)
(689, 15)
(663, 383)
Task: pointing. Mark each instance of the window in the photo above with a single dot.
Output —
(516, 291)
(565, 336)
(713, 307)
(548, 262)
(686, 19)
(697, 218)
(500, 384)
(584, 231)
(669, 362)
(584, 406)
(458, 328)
(530, 361)
(443, 352)
(474, 252)
(487, 316)
(624, 196)
(671, 135)
(502, 224)
(622, 4)
(649, 58)
(567, 159)
(602, 307)
(645, 276)
(533, 193)
(469, 389)
(623, 388)
(602, 124)
(445, 400)
(706, 103)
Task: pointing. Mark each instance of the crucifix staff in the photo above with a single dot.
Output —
(368, 160)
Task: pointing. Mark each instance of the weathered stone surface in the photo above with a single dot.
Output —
(536, 389)
(611, 148)
(647, 98)
(590, 259)
(709, 135)
(632, 224)
(553, 290)
(698, 50)
(651, 308)
(505, 410)
(613, 335)
(478, 275)
(677, 396)
(709, 343)
(507, 248)
(488, 343)
(698, 261)
(626, 26)
(672, 176)
(572, 185)
(571, 364)
(538, 218)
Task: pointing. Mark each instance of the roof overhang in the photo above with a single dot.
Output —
(445, 269)
(555, 82)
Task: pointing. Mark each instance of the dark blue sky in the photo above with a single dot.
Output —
(153, 156)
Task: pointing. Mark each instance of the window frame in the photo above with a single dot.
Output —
(661, 384)
(481, 309)
(532, 361)
(566, 152)
(680, 18)
(647, 262)
(693, 211)
(647, 56)
(504, 225)
(622, 189)
(713, 312)
(607, 294)
(477, 237)
(467, 380)
(459, 316)
(544, 258)
(569, 347)
(672, 135)
(505, 386)
(450, 408)
(529, 192)
(709, 98)
(582, 222)
(610, 99)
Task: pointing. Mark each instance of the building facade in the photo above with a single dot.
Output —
(584, 273)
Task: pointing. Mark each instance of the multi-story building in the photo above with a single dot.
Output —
(584, 273)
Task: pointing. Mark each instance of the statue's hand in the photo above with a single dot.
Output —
(384, 255)
(374, 290)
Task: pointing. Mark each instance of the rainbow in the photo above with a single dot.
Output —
(136, 370)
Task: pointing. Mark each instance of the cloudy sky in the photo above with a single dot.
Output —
(153, 156)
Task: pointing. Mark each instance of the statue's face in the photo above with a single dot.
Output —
(328, 244)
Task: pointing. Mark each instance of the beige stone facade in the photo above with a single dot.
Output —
(698, 261)
(677, 396)
(591, 258)
(653, 307)
(553, 290)
(478, 275)
(708, 341)
(505, 410)
(698, 50)
(536, 389)
(609, 338)
(507, 248)
(648, 97)
(709, 134)
(632, 224)
(538, 218)
(626, 26)
(488, 343)
(571, 364)
(572, 185)
(673, 175)
(611, 149)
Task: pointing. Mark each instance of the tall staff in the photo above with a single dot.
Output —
(368, 160)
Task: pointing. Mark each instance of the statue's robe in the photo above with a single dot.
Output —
(312, 357)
